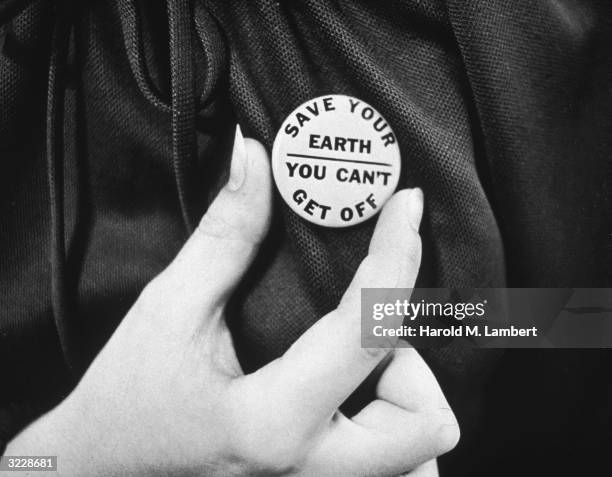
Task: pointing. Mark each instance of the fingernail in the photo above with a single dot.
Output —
(239, 162)
(415, 207)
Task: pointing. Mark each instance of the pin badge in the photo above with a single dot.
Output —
(336, 161)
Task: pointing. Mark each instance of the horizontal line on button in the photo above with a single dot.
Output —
(323, 158)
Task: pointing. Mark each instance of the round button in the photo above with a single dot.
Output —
(336, 161)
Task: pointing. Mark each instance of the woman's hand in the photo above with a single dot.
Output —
(167, 396)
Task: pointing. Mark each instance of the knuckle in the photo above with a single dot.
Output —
(150, 297)
(445, 431)
(380, 351)
(415, 249)
(158, 301)
(214, 225)
(449, 436)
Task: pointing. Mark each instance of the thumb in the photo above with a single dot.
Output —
(216, 256)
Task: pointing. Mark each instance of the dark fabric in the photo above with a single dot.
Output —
(503, 112)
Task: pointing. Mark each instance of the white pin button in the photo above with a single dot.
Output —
(336, 161)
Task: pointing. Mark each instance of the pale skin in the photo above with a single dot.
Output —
(167, 396)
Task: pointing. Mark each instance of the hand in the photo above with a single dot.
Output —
(167, 396)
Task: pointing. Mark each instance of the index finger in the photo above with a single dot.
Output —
(328, 362)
